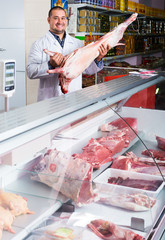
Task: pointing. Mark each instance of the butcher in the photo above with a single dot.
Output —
(60, 43)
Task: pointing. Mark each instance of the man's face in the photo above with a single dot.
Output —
(57, 21)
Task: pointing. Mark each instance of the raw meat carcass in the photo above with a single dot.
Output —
(16, 203)
(6, 219)
(149, 185)
(68, 175)
(134, 202)
(157, 154)
(120, 128)
(110, 231)
(133, 163)
(76, 62)
(161, 142)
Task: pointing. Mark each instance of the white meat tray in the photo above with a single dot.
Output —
(103, 180)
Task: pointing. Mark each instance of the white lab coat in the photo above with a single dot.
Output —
(37, 65)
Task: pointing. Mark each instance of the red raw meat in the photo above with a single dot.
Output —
(131, 162)
(114, 144)
(95, 154)
(120, 128)
(68, 175)
(110, 231)
(161, 142)
(158, 154)
(136, 183)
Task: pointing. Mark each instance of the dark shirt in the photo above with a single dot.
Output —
(61, 42)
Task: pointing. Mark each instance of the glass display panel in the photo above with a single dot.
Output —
(104, 166)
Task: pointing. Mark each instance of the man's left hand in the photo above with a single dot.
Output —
(103, 51)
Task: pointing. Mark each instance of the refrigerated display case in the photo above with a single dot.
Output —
(65, 151)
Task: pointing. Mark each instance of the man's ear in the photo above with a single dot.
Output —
(48, 19)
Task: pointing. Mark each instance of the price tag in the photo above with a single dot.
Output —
(90, 34)
(114, 57)
(94, 6)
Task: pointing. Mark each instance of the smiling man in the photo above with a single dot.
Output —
(61, 43)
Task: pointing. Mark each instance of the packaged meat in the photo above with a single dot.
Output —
(84, 56)
(108, 231)
(148, 185)
(137, 202)
(65, 174)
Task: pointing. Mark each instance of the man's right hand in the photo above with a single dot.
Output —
(56, 60)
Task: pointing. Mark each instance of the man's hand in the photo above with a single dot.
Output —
(56, 60)
(103, 51)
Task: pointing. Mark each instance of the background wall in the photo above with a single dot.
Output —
(36, 12)
(12, 39)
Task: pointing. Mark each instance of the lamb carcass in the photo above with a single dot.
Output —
(77, 61)
(16, 203)
(157, 154)
(109, 231)
(68, 175)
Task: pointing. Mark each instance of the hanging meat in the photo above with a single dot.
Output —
(15, 203)
(77, 61)
(68, 175)
(109, 231)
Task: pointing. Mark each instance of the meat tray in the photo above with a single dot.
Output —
(103, 180)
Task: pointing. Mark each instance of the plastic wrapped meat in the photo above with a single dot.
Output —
(84, 56)
(68, 175)
(109, 231)
(6, 220)
(16, 204)
(134, 202)
(120, 129)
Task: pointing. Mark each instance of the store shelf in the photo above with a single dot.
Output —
(132, 55)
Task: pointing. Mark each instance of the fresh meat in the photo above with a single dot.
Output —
(161, 142)
(134, 202)
(95, 153)
(68, 175)
(120, 128)
(132, 163)
(110, 231)
(157, 154)
(15, 203)
(76, 62)
(6, 219)
(100, 151)
(136, 183)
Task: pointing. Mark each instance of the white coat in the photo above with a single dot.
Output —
(37, 65)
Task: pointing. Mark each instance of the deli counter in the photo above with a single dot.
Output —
(84, 166)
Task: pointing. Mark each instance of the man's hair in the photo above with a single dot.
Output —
(54, 8)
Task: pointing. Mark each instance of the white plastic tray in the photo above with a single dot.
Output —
(103, 179)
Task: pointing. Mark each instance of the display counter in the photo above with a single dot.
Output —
(86, 150)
